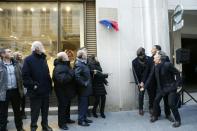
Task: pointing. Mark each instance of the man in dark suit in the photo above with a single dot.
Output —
(84, 86)
(165, 73)
(37, 80)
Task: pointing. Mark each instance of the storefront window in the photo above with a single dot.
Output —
(72, 28)
(23, 23)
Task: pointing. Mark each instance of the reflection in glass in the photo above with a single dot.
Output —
(22, 23)
(72, 31)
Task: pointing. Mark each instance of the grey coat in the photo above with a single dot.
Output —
(4, 79)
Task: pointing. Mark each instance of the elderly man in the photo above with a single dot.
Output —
(19, 58)
(153, 85)
(167, 79)
(11, 90)
(84, 86)
(63, 77)
(37, 80)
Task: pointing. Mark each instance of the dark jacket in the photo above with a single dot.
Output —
(151, 84)
(140, 71)
(98, 80)
(165, 74)
(83, 78)
(35, 71)
(63, 77)
(4, 79)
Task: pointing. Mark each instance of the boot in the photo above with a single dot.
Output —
(176, 124)
(94, 113)
(141, 112)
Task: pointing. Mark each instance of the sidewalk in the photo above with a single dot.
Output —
(125, 121)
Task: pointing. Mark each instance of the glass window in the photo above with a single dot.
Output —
(23, 23)
(72, 28)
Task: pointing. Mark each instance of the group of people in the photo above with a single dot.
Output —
(157, 76)
(31, 77)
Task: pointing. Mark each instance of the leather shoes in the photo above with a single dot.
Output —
(21, 129)
(141, 112)
(47, 128)
(83, 123)
(176, 124)
(69, 121)
(64, 127)
(103, 115)
(33, 129)
(170, 118)
(88, 121)
(153, 119)
(94, 114)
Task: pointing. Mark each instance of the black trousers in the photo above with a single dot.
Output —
(23, 101)
(151, 94)
(13, 97)
(64, 103)
(38, 104)
(172, 103)
(82, 108)
(99, 100)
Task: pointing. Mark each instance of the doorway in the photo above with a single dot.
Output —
(190, 69)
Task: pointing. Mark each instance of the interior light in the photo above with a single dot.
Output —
(68, 9)
(44, 9)
(19, 9)
(32, 9)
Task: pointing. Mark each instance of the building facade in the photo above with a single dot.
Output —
(69, 24)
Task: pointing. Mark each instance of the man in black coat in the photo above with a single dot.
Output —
(153, 86)
(37, 80)
(165, 73)
(63, 77)
(84, 86)
(141, 66)
(98, 84)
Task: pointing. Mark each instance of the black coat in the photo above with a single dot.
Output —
(83, 78)
(98, 80)
(152, 83)
(35, 71)
(63, 77)
(167, 77)
(140, 71)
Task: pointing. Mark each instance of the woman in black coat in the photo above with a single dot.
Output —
(98, 83)
(63, 77)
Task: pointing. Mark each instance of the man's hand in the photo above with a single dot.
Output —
(95, 72)
(141, 86)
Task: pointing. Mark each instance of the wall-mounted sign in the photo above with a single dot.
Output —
(177, 17)
(110, 24)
